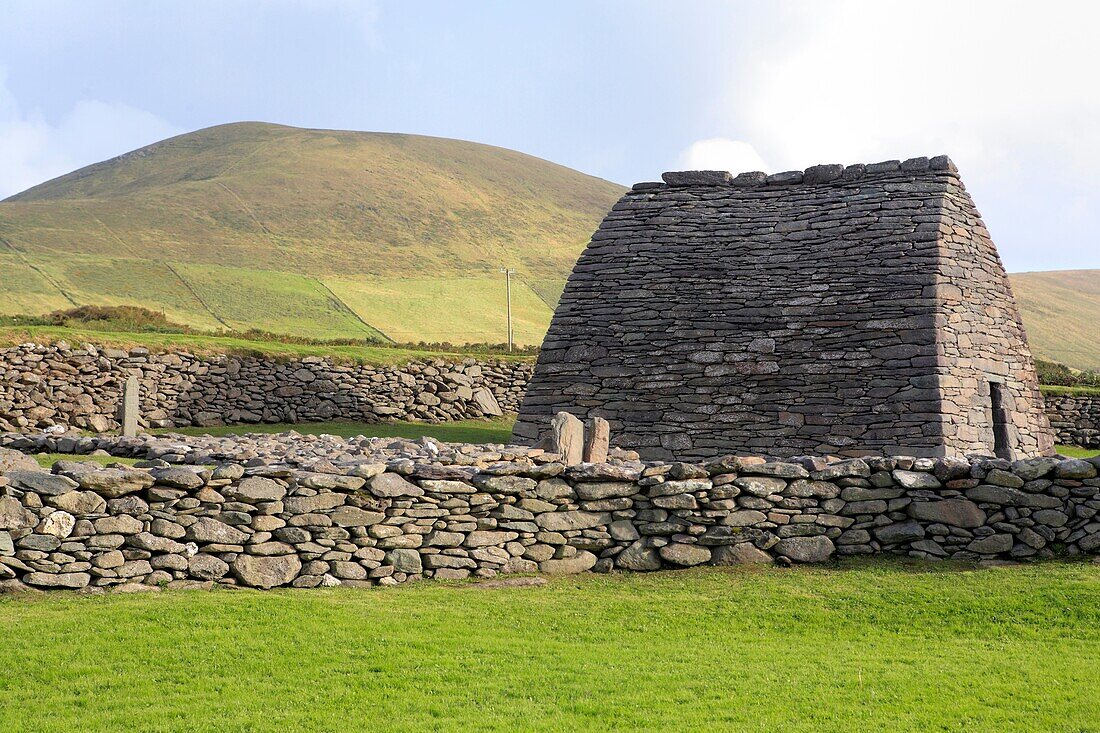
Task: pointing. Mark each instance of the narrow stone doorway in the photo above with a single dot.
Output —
(1001, 448)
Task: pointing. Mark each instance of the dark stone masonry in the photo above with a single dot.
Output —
(843, 310)
(319, 511)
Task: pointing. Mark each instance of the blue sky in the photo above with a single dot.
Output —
(622, 90)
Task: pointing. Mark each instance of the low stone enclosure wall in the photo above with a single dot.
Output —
(41, 386)
(521, 512)
(1075, 418)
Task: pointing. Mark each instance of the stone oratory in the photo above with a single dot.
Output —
(848, 310)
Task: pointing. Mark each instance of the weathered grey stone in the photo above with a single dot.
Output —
(485, 538)
(594, 491)
(1075, 469)
(40, 482)
(349, 516)
(916, 480)
(255, 489)
(115, 482)
(13, 515)
(640, 556)
(119, 524)
(206, 567)
(59, 524)
(955, 512)
(672, 323)
(991, 545)
(760, 485)
(899, 532)
(211, 530)
(311, 504)
(58, 580)
(679, 553)
(742, 553)
(80, 502)
(131, 406)
(744, 518)
(805, 549)
(579, 563)
(15, 460)
(266, 572)
(390, 485)
(598, 437)
(177, 477)
(405, 561)
(571, 520)
(567, 438)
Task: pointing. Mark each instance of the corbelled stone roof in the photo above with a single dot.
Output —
(836, 309)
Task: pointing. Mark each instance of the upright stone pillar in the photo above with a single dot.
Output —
(567, 438)
(131, 402)
(597, 440)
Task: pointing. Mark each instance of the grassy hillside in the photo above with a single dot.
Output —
(259, 225)
(1061, 311)
(333, 234)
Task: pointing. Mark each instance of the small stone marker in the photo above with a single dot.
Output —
(487, 402)
(567, 438)
(597, 440)
(130, 406)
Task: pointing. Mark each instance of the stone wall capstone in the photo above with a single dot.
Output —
(45, 385)
(381, 523)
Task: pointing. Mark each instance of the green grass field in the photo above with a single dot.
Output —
(206, 344)
(461, 431)
(455, 310)
(863, 647)
(46, 460)
(1060, 311)
(1074, 452)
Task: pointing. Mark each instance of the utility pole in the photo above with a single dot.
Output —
(508, 272)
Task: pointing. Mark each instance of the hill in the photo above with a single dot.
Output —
(335, 234)
(1061, 312)
(318, 232)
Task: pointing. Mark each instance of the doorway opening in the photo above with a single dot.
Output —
(1001, 448)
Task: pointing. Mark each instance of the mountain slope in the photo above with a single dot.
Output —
(351, 234)
(1061, 312)
(379, 211)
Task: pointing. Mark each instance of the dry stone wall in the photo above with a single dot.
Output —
(41, 386)
(1075, 419)
(82, 526)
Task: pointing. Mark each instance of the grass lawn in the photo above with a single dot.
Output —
(460, 431)
(205, 344)
(864, 647)
(1074, 452)
(46, 460)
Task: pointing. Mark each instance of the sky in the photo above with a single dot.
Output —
(623, 90)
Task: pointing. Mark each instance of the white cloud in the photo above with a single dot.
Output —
(33, 150)
(861, 80)
(1005, 87)
(723, 154)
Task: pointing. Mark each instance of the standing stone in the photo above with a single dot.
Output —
(487, 403)
(598, 440)
(567, 438)
(131, 394)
